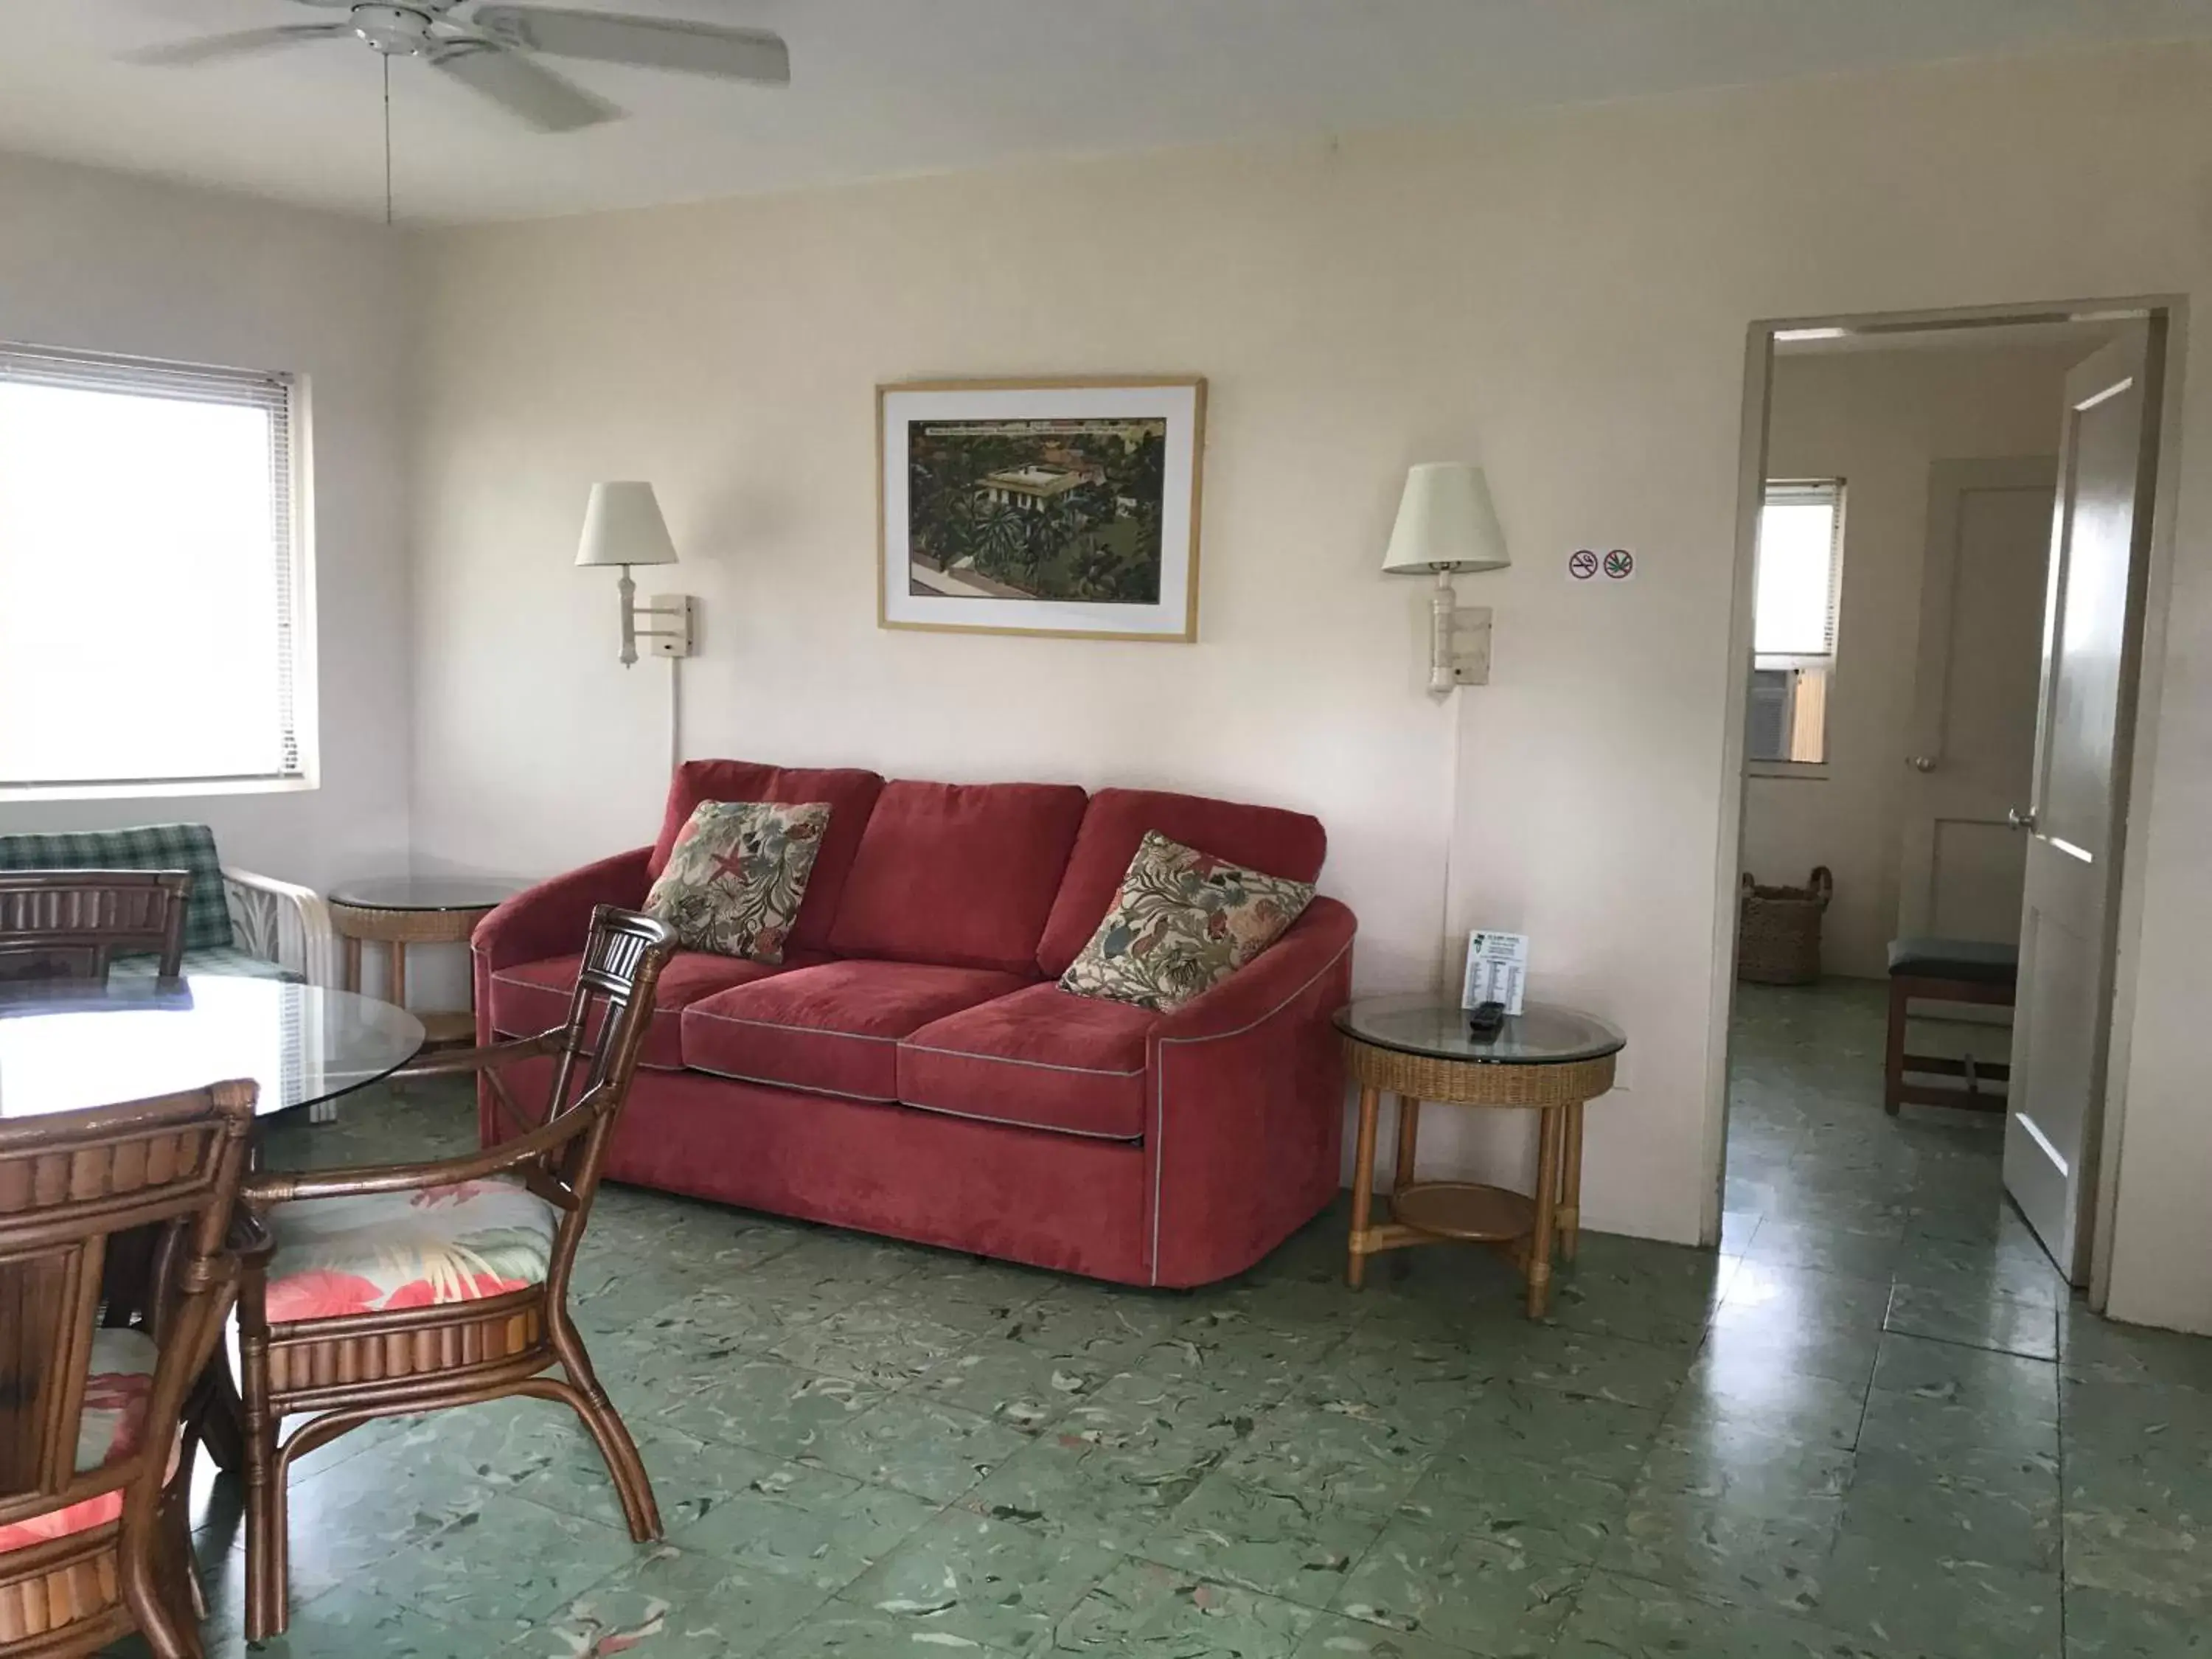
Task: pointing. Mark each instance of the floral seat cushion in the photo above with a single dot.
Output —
(111, 1426)
(385, 1251)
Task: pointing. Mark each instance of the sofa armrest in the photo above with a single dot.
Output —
(282, 923)
(552, 918)
(1264, 987)
(1244, 1132)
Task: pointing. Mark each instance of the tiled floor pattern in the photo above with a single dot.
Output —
(1870, 1428)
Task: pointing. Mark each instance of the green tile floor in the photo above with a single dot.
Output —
(1872, 1427)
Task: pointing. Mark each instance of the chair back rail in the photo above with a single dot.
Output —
(72, 1184)
(612, 1003)
(609, 1010)
(72, 924)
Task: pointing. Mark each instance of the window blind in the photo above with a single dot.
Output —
(1800, 570)
(125, 447)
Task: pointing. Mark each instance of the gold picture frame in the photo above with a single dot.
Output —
(1071, 505)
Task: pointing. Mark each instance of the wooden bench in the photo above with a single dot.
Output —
(1945, 970)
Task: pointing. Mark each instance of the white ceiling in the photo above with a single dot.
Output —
(887, 86)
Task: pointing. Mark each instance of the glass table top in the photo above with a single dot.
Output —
(1542, 1035)
(66, 1045)
(425, 892)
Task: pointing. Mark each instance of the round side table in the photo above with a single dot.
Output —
(397, 911)
(1545, 1060)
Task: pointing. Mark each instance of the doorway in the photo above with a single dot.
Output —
(1943, 552)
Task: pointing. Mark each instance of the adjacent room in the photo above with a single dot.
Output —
(1911, 476)
(1267, 828)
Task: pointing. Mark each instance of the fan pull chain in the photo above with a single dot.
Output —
(386, 58)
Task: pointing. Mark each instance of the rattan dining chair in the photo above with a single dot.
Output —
(94, 1473)
(71, 924)
(408, 1288)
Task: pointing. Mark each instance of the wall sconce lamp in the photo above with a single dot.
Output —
(623, 527)
(1446, 523)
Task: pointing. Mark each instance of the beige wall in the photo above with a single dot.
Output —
(1877, 420)
(103, 263)
(1565, 296)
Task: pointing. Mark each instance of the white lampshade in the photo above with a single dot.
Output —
(622, 526)
(1446, 522)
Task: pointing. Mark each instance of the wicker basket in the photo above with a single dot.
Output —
(1778, 940)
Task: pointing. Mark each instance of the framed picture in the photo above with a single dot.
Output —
(1066, 507)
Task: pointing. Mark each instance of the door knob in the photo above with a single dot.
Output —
(2018, 819)
(1922, 763)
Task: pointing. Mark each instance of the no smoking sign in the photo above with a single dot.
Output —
(1590, 564)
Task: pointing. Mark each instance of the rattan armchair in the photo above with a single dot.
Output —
(330, 1325)
(70, 924)
(95, 1475)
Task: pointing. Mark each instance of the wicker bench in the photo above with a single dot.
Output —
(1945, 970)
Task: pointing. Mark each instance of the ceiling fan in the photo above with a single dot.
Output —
(489, 50)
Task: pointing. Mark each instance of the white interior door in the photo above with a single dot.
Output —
(1974, 706)
(2084, 713)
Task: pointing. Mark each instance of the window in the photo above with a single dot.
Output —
(151, 576)
(1799, 581)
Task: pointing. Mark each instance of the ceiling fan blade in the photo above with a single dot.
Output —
(209, 48)
(537, 95)
(648, 42)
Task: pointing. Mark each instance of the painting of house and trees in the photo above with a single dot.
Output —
(1036, 509)
(1060, 507)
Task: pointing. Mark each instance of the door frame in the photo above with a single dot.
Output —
(2150, 658)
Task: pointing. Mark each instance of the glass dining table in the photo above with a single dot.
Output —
(65, 1045)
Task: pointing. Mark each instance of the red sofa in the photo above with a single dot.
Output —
(912, 1069)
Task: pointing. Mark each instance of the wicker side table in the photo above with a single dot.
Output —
(1547, 1059)
(397, 911)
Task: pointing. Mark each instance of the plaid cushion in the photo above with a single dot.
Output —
(149, 847)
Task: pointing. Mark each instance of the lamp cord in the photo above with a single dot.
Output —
(1455, 736)
(675, 713)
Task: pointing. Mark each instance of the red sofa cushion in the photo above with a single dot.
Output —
(530, 997)
(958, 873)
(1040, 1058)
(1266, 838)
(850, 795)
(833, 1029)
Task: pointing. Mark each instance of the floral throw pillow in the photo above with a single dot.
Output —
(1182, 922)
(737, 875)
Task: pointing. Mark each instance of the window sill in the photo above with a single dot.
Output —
(183, 790)
(1808, 770)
